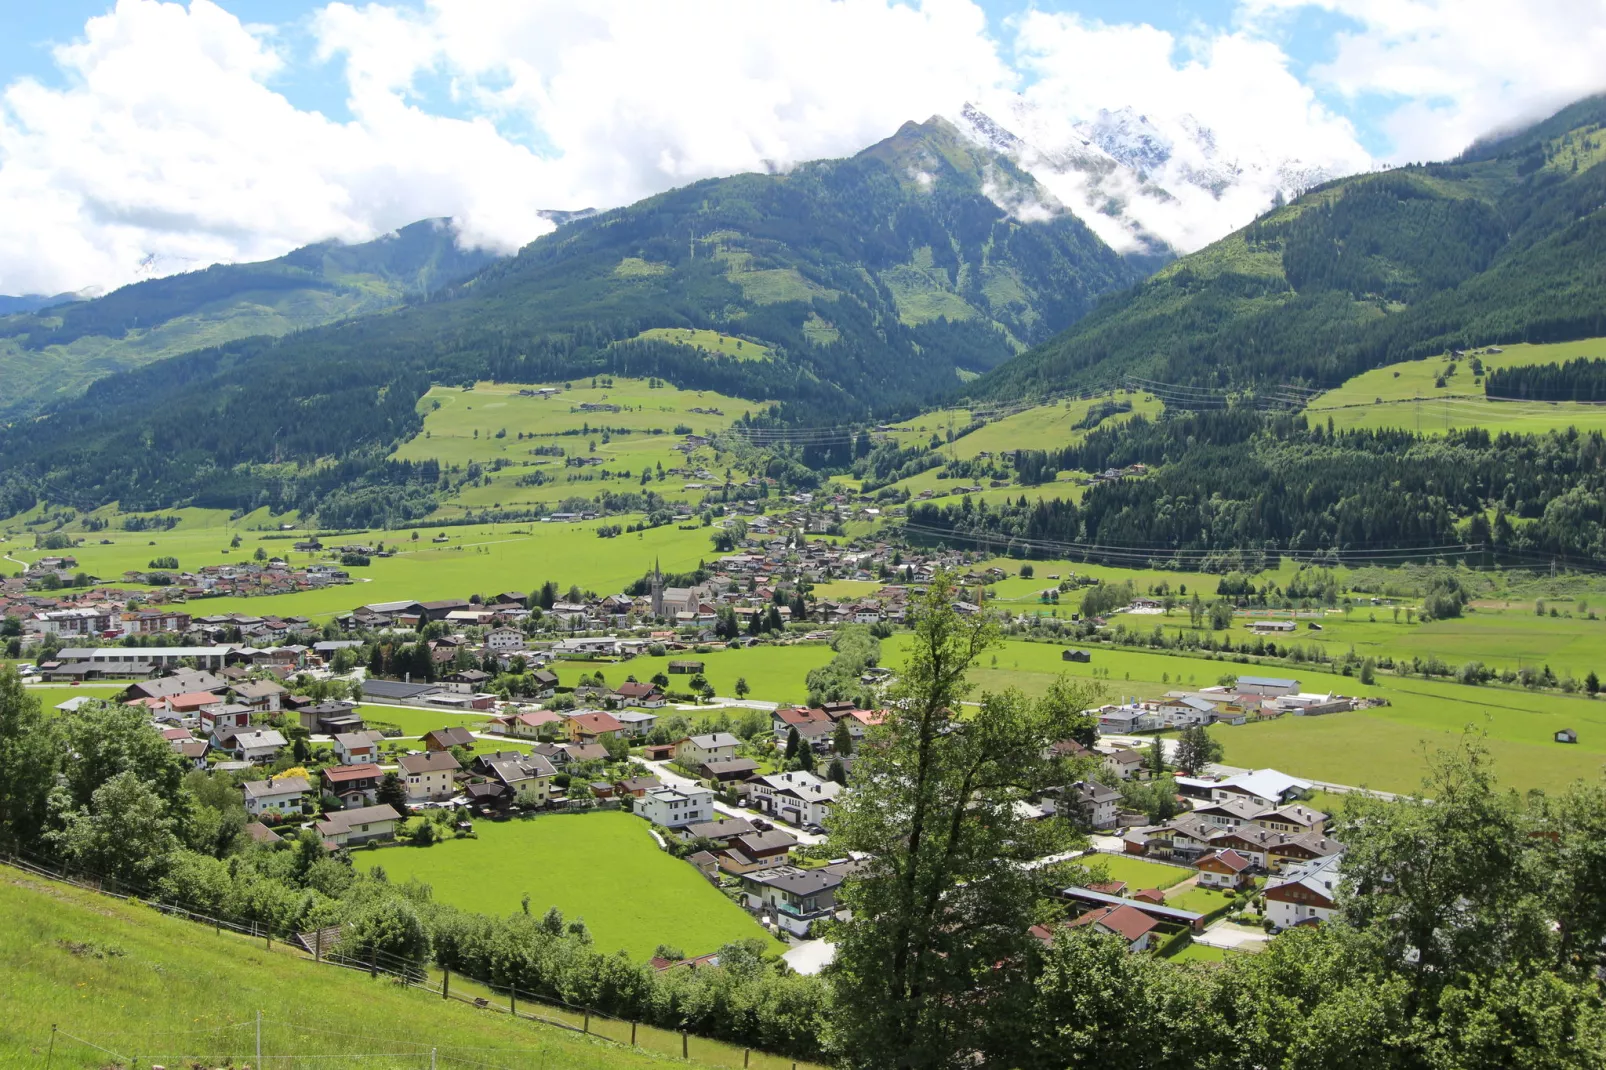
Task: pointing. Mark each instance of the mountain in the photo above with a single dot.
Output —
(1503, 244)
(11, 304)
(1145, 184)
(57, 347)
(839, 288)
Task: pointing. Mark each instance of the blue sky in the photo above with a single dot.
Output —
(168, 136)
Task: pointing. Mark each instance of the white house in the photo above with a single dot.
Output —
(356, 748)
(798, 797)
(259, 745)
(1304, 895)
(347, 828)
(504, 640)
(795, 898)
(694, 751)
(429, 775)
(676, 807)
(1267, 787)
(270, 796)
(1099, 804)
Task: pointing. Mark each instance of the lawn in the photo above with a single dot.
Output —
(774, 673)
(1202, 953)
(173, 992)
(415, 722)
(1406, 395)
(1137, 873)
(603, 867)
(1199, 900)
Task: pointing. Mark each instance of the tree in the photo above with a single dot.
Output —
(742, 690)
(944, 898)
(27, 764)
(837, 771)
(805, 758)
(793, 742)
(1592, 683)
(842, 738)
(392, 794)
(1154, 758)
(125, 833)
(1197, 749)
(387, 933)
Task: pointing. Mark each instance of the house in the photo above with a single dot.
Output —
(348, 828)
(676, 807)
(430, 775)
(259, 745)
(519, 773)
(447, 738)
(264, 696)
(583, 752)
(275, 796)
(527, 725)
(1127, 764)
(504, 640)
(1271, 627)
(357, 748)
(467, 681)
(1292, 850)
(1267, 787)
(1098, 805)
(1304, 895)
(1129, 923)
(260, 833)
(722, 830)
(637, 725)
(794, 898)
(176, 684)
(766, 847)
(647, 696)
(1294, 819)
(1224, 869)
(396, 691)
(353, 785)
(729, 771)
(216, 717)
(1230, 813)
(694, 751)
(636, 786)
(330, 718)
(592, 727)
(1566, 735)
(798, 798)
(1075, 655)
(193, 751)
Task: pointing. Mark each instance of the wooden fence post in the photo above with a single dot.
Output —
(513, 1001)
(747, 1056)
(317, 946)
(587, 1027)
(632, 1034)
(446, 982)
(683, 1043)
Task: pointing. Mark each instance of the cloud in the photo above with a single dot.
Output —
(168, 142)
(1446, 72)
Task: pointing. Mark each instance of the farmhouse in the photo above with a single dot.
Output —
(1224, 869)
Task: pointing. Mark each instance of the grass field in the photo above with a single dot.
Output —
(1406, 395)
(603, 867)
(1040, 427)
(172, 992)
(1381, 747)
(774, 673)
(1202, 953)
(1137, 873)
(724, 345)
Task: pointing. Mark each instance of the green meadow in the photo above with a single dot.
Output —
(1040, 427)
(602, 867)
(1382, 747)
(161, 991)
(1407, 395)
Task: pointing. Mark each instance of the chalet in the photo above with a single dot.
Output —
(1129, 923)
(1230, 813)
(798, 797)
(637, 725)
(520, 773)
(694, 751)
(636, 786)
(263, 696)
(1127, 765)
(447, 738)
(193, 751)
(430, 775)
(592, 727)
(255, 745)
(1267, 787)
(466, 681)
(280, 796)
(353, 785)
(1304, 895)
(177, 684)
(1224, 869)
(1294, 819)
(646, 696)
(347, 828)
(729, 770)
(527, 725)
(357, 748)
(722, 830)
(1097, 804)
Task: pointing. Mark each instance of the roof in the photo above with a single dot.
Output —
(1320, 876)
(340, 774)
(261, 833)
(730, 766)
(724, 828)
(1154, 910)
(261, 737)
(343, 820)
(596, 723)
(714, 739)
(454, 736)
(635, 690)
(394, 689)
(800, 882)
(1268, 681)
(585, 752)
(757, 843)
(1132, 924)
(271, 788)
(354, 740)
(1266, 783)
(429, 762)
(1229, 858)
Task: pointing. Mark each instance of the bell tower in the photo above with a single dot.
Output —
(657, 589)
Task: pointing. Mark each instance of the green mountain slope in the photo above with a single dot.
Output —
(856, 285)
(1503, 244)
(54, 352)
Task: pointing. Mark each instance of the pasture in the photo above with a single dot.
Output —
(774, 673)
(1041, 427)
(1407, 395)
(1380, 747)
(602, 867)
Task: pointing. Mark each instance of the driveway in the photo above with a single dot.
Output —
(677, 780)
(1233, 937)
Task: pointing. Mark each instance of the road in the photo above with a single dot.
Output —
(1218, 769)
(677, 780)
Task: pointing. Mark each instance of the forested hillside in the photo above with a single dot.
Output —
(1503, 244)
(843, 287)
(52, 353)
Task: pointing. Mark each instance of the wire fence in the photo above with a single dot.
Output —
(543, 1009)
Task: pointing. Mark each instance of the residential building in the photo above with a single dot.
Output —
(353, 785)
(1304, 895)
(798, 797)
(281, 796)
(255, 745)
(794, 898)
(357, 748)
(1099, 805)
(348, 828)
(694, 751)
(592, 727)
(676, 807)
(1223, 870)
(447, 738)
(1127, 764)
(430, 775)
(1129, 923)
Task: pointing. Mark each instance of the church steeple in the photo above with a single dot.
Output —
(657, 589)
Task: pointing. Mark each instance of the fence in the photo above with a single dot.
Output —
(519, 1005)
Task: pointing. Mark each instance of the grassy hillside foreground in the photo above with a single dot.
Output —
(172, 992)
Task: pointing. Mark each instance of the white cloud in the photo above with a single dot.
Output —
(1450, 71)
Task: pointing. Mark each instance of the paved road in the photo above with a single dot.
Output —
(678, 780)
